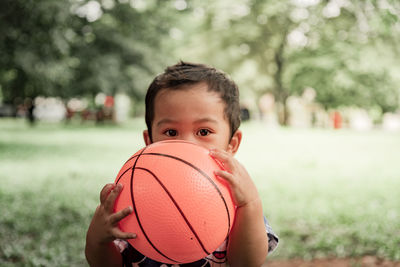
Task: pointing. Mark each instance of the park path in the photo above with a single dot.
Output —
(367, 261)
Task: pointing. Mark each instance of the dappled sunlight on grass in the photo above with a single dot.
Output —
(328, 193)
(325, 193)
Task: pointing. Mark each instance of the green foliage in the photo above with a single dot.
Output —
(34, 47)
(61, 49)
(346, 51)
(325, 193)
(120, 54)
(351, 65)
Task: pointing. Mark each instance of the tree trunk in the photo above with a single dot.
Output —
(281, 93)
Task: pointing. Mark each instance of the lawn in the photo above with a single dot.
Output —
(326, 193)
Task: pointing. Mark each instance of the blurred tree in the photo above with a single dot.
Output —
(124, 48)
(351, 56)
(34, 47)
(249, 38)
(72, 48)
(345, 50)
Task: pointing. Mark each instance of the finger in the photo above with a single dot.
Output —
(116, 217)
(230, 178)
(117, 233)
(224, 158)
(109, 203)
(105, 191)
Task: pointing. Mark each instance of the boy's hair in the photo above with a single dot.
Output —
(183, 73)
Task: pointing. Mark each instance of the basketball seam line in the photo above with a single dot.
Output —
(191, 165)
(134, 207)
(204, 174)
(178, 208)
(199, 170)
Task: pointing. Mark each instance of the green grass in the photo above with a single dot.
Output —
(326, 193)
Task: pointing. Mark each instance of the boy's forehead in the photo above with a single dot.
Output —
(196, 90)
(190, 98)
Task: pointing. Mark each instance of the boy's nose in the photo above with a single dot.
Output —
(190, 138)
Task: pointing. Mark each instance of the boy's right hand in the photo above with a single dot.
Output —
(104, 226)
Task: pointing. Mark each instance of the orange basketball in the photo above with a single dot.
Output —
(182, 212)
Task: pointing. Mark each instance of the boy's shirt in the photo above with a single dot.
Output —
(132, 257)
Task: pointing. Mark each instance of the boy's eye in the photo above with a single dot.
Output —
(203, 132)
(171, 132)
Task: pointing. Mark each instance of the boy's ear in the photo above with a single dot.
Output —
(234, 143)
(146, 137)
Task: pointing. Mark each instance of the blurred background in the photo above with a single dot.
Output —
(320, 95)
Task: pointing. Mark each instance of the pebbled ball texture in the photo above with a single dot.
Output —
(182, 211)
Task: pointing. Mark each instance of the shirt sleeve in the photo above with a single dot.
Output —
(273, 239)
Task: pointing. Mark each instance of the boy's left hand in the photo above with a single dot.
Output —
(242, 186)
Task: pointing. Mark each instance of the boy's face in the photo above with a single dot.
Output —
(193, 114)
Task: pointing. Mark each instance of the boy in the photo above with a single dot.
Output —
(196, 103)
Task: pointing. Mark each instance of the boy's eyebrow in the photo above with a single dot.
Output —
(201, 120)
(165, 121)
(206, 119)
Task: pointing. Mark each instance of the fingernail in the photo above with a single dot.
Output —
(120, 186)
(133, 235)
